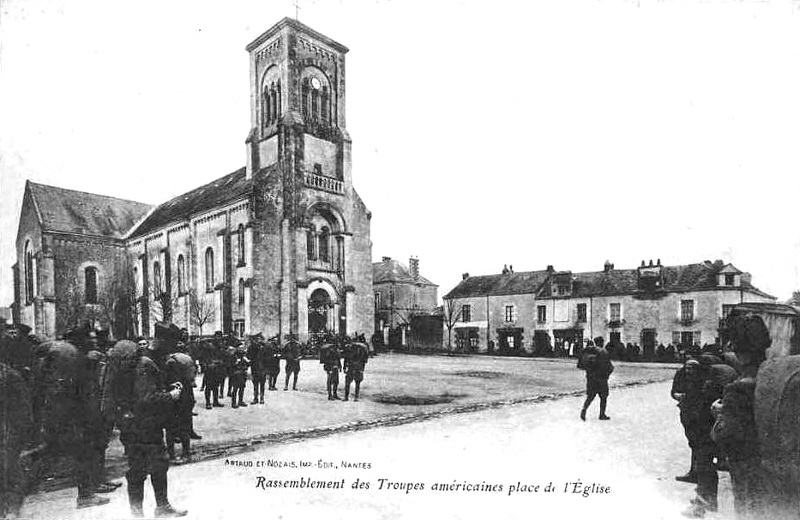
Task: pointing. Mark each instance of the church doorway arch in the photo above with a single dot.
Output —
(319, 307)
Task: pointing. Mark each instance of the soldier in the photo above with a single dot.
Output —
(72, 422)
(292, 355)
(16, 416)
(257, 353)
(597, 364)
(180, 367)
(355, 358)
(238, 377)
(224, 367)
(697, 419)
(330, 359)
(213, 370)
(757, 492)
(146, 409)
(273, 362)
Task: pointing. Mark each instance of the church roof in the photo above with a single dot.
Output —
(390, 270)
(215, 193)
(70, 211)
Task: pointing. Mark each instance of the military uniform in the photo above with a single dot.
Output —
(597, 364)
(73, 424)
(291, 353)
(257, 353)
(146, 412)
(332, 363)
(355, 359)
(238, 378)
(180, 368)
(16, 416)
(213, 371)
(273, 363)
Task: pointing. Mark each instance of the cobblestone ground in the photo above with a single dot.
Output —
(634, 457)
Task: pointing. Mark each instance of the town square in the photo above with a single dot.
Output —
(399, 260)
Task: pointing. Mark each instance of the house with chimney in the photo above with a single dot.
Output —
(401, 294)
(650, 305)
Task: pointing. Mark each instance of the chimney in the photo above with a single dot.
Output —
(464, 276)
(510, 268)
(550, 269)
(658, 262)
(386, 258)
(608, 266)
(413, 264)
(505, 269)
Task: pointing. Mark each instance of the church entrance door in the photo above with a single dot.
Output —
(318, 306)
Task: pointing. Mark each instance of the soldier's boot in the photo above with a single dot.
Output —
(233, 402)
(163, 508)
(347, 393)
(336, 392)
(255, 396)
(358, 387)
(603, 416)
(91, 501)
(583, 414)
(241, 398)
(136, 498)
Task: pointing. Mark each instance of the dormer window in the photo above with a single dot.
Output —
(730, 279)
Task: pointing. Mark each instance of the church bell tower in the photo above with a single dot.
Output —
(297, 104)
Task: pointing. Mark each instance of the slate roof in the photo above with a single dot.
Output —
(394, 271)
(677, 278)
(527, 282)
(70, 211)
(215, 193)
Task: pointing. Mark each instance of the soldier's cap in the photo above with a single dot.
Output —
(257, 336)
(692, 363)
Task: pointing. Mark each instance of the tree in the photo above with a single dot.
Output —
(201, 311)
(452, 313)
(162, 304)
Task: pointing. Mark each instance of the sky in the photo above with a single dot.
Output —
(484, 132)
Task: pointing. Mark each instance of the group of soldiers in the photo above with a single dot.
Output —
(224, 358)
(716, 394)
(63, 399)
(227, 358)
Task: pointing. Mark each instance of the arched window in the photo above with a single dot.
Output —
(181, 275)
(209, 269)
(324, 245)
(240, 235)
(271, 97)
(325, 108)
(241, 292)
(310, 239)
(28, 273)
(90, 284)
(156, 278)
(316, 96)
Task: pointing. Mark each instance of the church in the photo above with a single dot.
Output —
(279, 246)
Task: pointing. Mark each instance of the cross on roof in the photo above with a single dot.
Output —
(297, 10)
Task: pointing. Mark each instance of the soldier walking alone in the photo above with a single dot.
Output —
(597, 364)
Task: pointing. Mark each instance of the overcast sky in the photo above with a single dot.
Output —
(484, 132)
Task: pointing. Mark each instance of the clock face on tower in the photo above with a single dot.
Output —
(315, 84)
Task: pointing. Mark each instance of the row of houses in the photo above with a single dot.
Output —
(649, 305)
